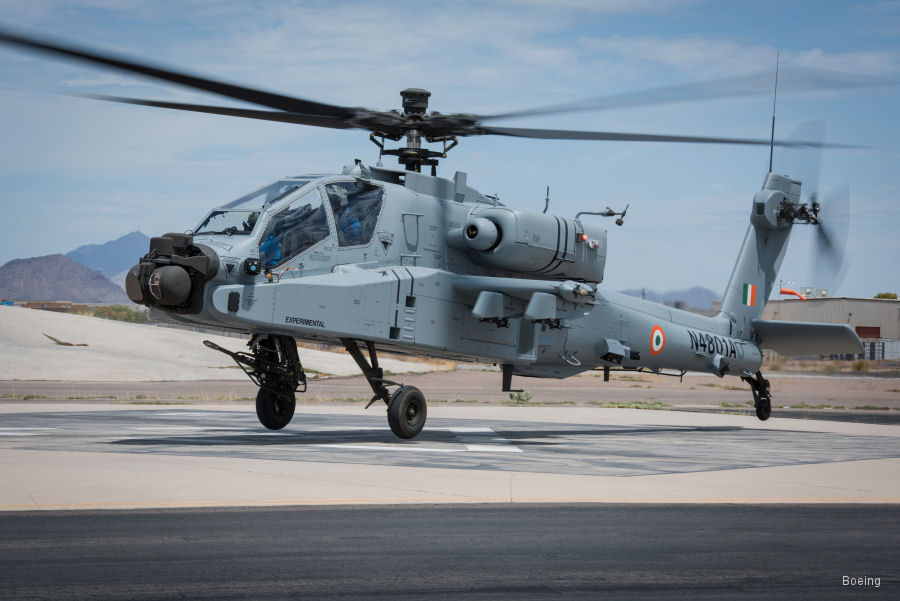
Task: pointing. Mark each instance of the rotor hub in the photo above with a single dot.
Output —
(415, 101)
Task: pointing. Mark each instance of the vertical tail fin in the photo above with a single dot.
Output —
(761, 255)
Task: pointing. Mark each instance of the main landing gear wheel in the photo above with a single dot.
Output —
(274, 410)
(274, 365)
(407, 412)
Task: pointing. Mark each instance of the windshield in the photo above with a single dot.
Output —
(294, 229)
(266, 195)
(229, 222)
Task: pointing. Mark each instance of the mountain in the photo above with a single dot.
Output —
(57, 277)
(115, 256)
(696, 297)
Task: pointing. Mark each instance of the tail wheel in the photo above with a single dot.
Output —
(274, 410)
(407, 412)
(763, 408)
(762, 397)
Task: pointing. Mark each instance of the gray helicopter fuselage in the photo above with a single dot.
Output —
(421, 285)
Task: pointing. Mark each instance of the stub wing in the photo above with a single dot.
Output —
(791, 338)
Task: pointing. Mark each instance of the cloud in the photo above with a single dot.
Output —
(599, 6)
(863, 63)
(704, 57)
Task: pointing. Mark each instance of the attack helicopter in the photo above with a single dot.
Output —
(380, 259)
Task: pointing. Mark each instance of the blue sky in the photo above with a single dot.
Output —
(74, 171)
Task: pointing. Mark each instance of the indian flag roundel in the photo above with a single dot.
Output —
(657, 341)
(749, 295)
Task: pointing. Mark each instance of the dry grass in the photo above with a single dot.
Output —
(655, 405)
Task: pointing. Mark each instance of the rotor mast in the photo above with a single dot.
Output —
(413, 155)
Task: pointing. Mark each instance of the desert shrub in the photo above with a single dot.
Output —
(120, 313)
(520, 397)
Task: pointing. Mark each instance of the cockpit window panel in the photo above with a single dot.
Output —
(267, 195)
(229, 223)
(294, 229)
(356, 207)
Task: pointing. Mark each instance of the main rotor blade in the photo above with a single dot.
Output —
(793, 80)
(803, 163)
(563, 134)
(281, 116)
(277, 101)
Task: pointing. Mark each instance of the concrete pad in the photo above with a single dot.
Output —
(124, 352)
(39, 472)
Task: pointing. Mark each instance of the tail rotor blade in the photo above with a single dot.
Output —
(830, 266)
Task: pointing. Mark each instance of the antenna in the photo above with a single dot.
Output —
(774, 100)
(547, 200)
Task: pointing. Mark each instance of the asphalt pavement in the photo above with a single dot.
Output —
(455, 552)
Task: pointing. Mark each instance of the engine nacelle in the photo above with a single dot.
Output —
(481, 234)
(540, 245)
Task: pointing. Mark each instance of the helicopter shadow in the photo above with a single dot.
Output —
(523, 437)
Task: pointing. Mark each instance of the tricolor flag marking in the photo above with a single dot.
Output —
(749, 297)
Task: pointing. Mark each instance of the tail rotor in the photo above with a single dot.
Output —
(829, 213)
(829, 264)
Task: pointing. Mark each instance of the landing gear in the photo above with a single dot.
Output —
(274, 366)
(407, 412)
(406, 408)
(762, 399)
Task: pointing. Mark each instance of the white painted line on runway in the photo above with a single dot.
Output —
(191, 428)
(493, 448)
(196, 414)
(401, 448)
(484, 440)
(156, 428)
(468, 430)
(343, 429)
(20, 429)
(26, 431)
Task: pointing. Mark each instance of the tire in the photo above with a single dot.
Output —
(274, 411)
(763, 409)
(407, 412)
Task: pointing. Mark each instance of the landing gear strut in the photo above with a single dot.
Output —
(762, 399)
(274, 366)
(406, 407)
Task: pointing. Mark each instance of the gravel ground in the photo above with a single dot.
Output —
(823, 393)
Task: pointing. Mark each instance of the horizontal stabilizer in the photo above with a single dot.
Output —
(791, 338)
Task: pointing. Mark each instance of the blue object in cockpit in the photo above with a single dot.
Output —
(270, 251)
(350, 230)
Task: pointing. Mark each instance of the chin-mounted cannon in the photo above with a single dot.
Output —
(538, 244)
(172, 275)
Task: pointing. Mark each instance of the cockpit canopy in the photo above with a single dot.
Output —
(240, 216)
(295, 217)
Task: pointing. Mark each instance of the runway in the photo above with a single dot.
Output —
(454, 552)
(106, 456)
(489, 502)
